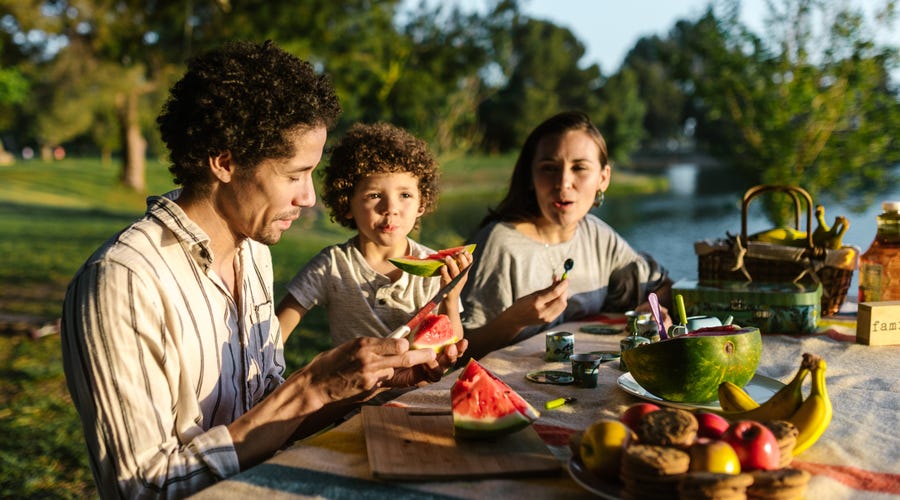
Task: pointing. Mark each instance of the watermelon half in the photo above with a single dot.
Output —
(435, 332)
(689, 368)
(485, 407)
(430, 265)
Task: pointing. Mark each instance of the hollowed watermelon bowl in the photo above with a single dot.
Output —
(689, 368)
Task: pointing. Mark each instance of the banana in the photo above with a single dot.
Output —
(735, 399)
(781, 406)
(814, 415)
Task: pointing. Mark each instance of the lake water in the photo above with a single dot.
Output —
(667, 225)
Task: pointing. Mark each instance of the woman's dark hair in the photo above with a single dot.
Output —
(373, 149)
(245, 98)
(520, 203)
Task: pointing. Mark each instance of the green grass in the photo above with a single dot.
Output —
(54, 215)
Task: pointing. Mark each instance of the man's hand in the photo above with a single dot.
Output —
(363, 365)
(430, 372)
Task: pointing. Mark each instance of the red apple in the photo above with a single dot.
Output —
(754, 444)
(711, 426)
(633, 415)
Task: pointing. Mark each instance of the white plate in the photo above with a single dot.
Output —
(760, 388)
(600, 487)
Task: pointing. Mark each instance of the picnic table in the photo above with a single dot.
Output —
(858, 455)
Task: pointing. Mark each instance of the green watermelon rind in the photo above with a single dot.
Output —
(487, 429)
(467, 427)
(689, 369)
(427, 266)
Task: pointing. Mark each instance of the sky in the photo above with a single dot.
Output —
(610, 28)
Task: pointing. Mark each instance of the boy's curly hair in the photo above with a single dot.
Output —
(246, 98)
(374, 149)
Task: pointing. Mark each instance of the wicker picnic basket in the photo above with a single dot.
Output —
(737, 258)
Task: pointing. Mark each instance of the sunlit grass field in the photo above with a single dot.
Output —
(53, 215)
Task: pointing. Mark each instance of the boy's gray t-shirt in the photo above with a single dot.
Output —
(360, 301)
(608, 274)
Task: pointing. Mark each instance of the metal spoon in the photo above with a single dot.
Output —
(567, 266)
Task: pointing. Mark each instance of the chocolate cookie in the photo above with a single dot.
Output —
(652, 472)
(786, 435)
(711, 485)
(779, 484)
(668, 427)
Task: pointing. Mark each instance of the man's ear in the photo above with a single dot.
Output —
(222, 167)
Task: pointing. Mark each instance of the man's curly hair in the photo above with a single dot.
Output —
(374, 149)
(246, 98)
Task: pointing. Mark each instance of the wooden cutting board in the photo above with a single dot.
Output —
(418, 445)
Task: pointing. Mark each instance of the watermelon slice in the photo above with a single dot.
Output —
(430, 265)
(485, 407)
(435, 332)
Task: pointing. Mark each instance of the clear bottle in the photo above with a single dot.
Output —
(879, 267)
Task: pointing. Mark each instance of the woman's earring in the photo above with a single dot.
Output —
(599, 198)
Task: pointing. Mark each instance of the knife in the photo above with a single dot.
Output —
(410, 325)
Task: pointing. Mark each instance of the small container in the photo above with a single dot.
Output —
(879, 267)
(649, 329)
(633, 319)
(630, 342)
(585, 369)
(560, 345)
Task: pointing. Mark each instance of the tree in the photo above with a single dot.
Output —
(800, 107)
(664, 99)
(541, 77)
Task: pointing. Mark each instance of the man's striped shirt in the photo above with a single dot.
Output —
(159, 356)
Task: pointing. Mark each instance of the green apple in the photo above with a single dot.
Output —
(602, 446)
(709, 455)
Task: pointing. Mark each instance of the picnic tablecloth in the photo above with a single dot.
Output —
(857, 457)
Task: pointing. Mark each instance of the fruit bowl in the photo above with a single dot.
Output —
(689, 368)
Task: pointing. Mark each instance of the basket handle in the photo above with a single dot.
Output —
(795, 192)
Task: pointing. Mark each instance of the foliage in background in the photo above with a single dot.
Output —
(811, 100)
(810, 104)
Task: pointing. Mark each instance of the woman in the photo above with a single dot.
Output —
(516, 288)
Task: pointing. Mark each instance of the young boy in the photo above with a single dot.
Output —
(380, 180)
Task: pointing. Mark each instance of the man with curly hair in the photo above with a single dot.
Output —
(172, 350)
(381, 179)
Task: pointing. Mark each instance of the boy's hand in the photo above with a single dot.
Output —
(455, 264)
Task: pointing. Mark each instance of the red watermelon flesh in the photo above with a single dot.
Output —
(485, 407)
(435, 332)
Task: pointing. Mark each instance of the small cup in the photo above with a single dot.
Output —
(585, 368)
(698, 322)
(560, 345)
(629, 342)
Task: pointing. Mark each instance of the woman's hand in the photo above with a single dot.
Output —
(542, 306)
(645, 308)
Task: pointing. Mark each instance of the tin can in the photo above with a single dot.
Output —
(649, 329)
(560, 345)
(630, 342)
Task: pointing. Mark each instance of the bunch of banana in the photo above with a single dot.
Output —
(738, 405)
(811, 416)
(815, 413)
(781, 236)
